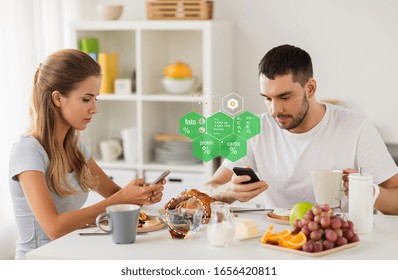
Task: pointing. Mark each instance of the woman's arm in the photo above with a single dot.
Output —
(56, 224)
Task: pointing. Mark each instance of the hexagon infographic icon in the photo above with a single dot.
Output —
(220, 134)
(206, 147)
(233, 147)
(246, 125)
(192, 125)
(220, 125)
(232, 104)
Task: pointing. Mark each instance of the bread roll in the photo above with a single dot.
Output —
(192, 199)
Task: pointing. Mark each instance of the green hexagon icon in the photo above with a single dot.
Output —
(233, 147)
(192, 125)
(246, 125)
(206, 147)
(220, 125)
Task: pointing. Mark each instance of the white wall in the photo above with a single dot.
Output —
(353, 44)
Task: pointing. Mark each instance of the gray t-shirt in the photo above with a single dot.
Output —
(28, 154)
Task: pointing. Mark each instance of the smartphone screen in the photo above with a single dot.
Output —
(246, 171)
(161, 177)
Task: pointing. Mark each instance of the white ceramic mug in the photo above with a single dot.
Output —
(361, 199)
(129, 138)
(327, 186)
(123, 222)
(110, 150)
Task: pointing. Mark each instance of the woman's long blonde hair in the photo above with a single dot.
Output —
(62, 71)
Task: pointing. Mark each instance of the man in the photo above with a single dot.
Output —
(300, 134)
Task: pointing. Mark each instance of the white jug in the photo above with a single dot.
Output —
(129, 138)
(362, 196)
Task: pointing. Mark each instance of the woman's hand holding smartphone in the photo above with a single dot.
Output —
(160, 178)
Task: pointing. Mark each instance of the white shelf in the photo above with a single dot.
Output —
(147, 47)
(115, 97)
(152, 97)
(119, 164)
(172, 98)
(146, 25)
(161, 167)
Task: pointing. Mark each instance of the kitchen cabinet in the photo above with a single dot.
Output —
(146, 47)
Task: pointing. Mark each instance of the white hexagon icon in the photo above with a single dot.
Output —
(233, 103)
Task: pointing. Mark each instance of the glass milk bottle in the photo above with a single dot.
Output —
(221, 227)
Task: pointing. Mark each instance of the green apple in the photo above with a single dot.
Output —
(299, 210)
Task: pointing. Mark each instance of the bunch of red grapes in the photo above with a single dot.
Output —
(324, 230)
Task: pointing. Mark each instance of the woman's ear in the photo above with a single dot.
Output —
(56, 97)
(311, 87)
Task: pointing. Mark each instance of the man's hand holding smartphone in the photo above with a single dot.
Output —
(246, 184)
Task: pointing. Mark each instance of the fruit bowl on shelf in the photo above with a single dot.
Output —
(178, 85)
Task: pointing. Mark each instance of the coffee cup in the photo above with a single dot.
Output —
(123, 221)
(327, 186)
(110, 149)
(361, 199)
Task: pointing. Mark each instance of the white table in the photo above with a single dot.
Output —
(382, 243)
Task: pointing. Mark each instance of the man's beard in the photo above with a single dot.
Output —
(296, 121)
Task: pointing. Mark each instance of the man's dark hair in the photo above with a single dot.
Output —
(284, 60)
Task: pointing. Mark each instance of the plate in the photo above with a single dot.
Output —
(277, 221)
(317, 254)
(104, 223)
(153, 228)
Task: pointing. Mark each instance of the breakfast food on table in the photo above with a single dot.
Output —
(192, 199)
(324, 230)
(246, 228)
(284, 238)
(318, 230)
(280, 214)
(145, 221)
(299, 210)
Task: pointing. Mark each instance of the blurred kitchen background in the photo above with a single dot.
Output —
(353, 44)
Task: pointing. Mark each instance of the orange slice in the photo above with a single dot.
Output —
(294, 242)
(264, 238)
(275, 237)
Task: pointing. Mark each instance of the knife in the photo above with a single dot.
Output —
(104, 233)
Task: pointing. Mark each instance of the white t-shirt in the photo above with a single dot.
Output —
(284, 160)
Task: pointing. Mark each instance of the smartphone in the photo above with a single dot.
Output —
(161, 177)
(246, 171)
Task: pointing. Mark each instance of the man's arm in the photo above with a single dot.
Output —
(387, 202)
(220, 185)
(227, 187)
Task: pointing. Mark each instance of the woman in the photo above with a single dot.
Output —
(50, 170)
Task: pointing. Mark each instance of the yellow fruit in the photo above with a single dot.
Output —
(264, 238)
(178, 70)
(294, 242)
(274, 237)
